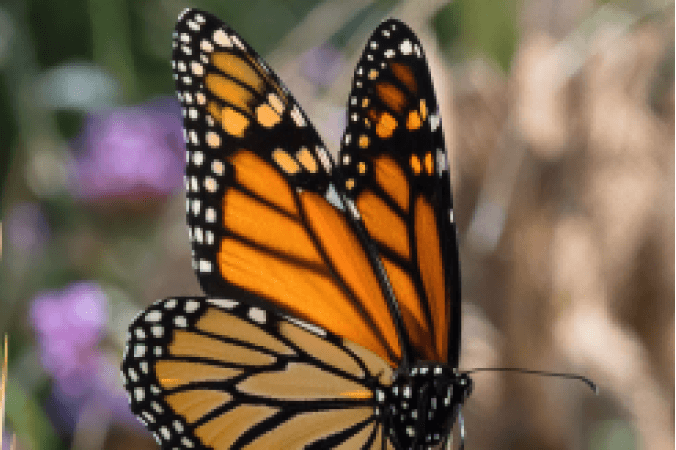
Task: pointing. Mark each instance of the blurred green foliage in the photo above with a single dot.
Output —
(479, 27)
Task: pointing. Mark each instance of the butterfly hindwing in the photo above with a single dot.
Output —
(266, 222)
(213, 373)
(395, 169)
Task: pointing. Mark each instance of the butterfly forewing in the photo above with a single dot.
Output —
(265, 220)
(213, 373)
(395, 168)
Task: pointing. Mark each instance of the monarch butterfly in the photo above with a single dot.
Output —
(333, 311)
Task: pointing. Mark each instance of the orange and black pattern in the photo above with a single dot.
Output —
(265, 219)
(332, 289)
(395, 169)
(213, 373)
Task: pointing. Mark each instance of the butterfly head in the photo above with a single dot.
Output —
(420, 406)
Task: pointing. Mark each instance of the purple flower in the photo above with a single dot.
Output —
(133, 153)
(322, 64)
(69, 324)
(99, 390)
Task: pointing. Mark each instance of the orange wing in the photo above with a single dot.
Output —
(205, 373)
(396, 171)
(266, 221)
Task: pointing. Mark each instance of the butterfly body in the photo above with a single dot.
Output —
(420, 406)
(332, 316)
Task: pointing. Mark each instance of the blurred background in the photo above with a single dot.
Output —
(559, 120)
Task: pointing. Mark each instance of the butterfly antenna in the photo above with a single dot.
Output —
(568, 376)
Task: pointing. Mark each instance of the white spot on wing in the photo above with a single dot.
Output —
(297, 117)
(197, 157)
(308, 326)
(353, 209)
(210, 184)
(139, 350)
(197, 68)
(332, 197)
(223, 302)
(406, 47)
(206, 46)
(193, 26)
(210, 215)
(191, 306)
(238, 43)
(205, 266)
(257, 315)
(153, 316)
(221, 38)
(442, 164)
(324, 159)
(434, 122)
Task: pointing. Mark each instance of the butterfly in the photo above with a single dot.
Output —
(332, 315)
